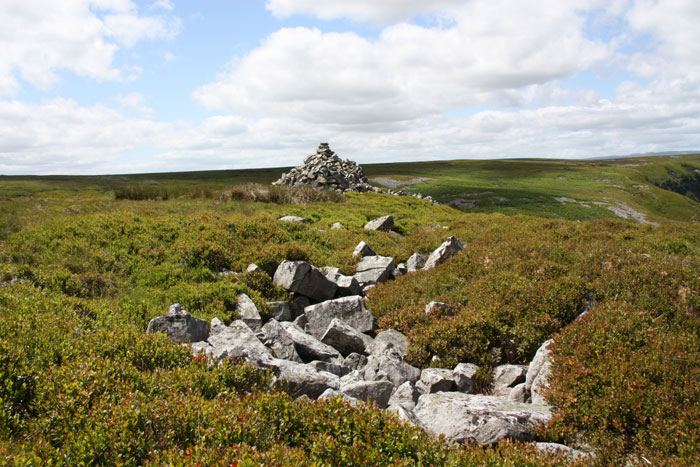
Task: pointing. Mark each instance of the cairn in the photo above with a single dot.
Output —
(326, 170)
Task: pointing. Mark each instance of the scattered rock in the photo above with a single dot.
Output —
(406, 395)
(437, 307)
(305, 380)
(301, 322)
(347, 285)
(373, 269)
(392, 367)
(329, 367)
(337, 225)
(538, 372)
(415, 262)
(179, 325)
(464, 375)
(519, 393)
(564, 452)
(307, 346)
(483, 419)
(378, 392)
(390, 339)
(362, 249)
(352, 310)
(355, 361)
(234, 342)
(279, 341)
(435, 380)
(333, 394)
(293, 219)
(302, 278)
(345, 339)
(447, 250)
(248, 312)
(253, 268)
(280, 311)
(382, 224)
(505, 377)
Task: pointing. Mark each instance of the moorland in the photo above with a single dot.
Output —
(86, 262)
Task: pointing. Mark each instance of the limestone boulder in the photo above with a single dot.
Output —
(391, 339)
(302, 278)
(347, 285)
(305, 380)
(536, 379)
(415, 262)
(378, 392)
(179, 325)
(465, 377)
(236, 341)
(374, 269)
(362, 249)
(482, 419)
(248, 312)
(281, 311)
(279, 341)
(506, 377)
(345, 339)
(435, 380)
(351, 310)
(390, 366)
(298, 219)
(307, 346)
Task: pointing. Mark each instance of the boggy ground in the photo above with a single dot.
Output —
(80, 381)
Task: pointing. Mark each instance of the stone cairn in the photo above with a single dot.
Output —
(326, 170)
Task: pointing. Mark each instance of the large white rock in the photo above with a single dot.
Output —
(464, 375)
(305, 380)
(352, 310)
(374, 269)
(447, 250)
(405, 395)
(391, 339)
(415, 262)
(392, 367)
(179, 325)
(435, 380)
(363, 249)
(302, 278)
(483, 419)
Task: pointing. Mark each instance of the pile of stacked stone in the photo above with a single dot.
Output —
(324, 344)
(326, 170)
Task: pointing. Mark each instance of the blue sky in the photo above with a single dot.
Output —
(120, 86)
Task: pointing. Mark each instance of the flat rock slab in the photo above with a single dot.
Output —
(352, 310)
(373, 269)
(483, 419)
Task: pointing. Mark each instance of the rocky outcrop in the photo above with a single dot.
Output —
(538, 372)
(179, 325)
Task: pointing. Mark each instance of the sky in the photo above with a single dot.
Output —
(121, 86)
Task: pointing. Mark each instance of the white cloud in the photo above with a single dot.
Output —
(410, 71)
(362, 10)
(40, 37)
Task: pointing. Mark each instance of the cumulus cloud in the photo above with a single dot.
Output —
(40, 37)
(410, 71)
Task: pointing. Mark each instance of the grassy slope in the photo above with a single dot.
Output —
(73, 346)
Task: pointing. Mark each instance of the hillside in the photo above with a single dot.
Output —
(83, 272)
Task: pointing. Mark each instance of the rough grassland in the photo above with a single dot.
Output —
(80, 382)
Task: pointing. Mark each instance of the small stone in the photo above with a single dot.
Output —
(293, 219)
(337, 225)
(253, 268)
(447, 250)
(362, 249)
